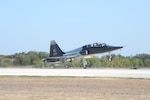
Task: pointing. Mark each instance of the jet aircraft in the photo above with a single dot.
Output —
(57, 55)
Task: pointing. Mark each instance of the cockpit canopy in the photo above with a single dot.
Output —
(95, 45)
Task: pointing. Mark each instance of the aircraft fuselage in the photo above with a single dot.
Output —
(56, 54)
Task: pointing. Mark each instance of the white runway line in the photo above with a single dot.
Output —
(119, 73)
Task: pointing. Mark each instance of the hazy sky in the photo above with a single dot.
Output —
(27, 25)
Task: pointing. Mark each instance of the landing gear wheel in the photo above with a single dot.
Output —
(85, 66)
(67, 67)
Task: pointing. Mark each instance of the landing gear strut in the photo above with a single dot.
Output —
(84, 63)
(110, 58)
(65, 63)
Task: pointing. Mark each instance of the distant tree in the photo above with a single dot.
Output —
(142, 56)
(93, 62)
(22, 60)
(34, 58)
(43, 55)
(147, 62)
(6, 62)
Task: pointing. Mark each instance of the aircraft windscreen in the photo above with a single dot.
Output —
(99, 44)
(96, 45)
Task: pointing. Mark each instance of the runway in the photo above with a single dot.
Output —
(108, 73)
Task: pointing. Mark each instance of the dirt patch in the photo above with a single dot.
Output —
(71, 88)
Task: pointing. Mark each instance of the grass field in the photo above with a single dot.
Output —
(73, 88)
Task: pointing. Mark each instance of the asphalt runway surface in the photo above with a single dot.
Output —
(108, 73)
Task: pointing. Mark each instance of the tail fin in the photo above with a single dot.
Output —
(55, 51)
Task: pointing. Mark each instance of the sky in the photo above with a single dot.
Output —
(30, 25)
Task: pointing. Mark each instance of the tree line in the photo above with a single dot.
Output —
(23, 59)
(36, 59)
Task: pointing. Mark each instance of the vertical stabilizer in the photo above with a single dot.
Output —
(55, 50)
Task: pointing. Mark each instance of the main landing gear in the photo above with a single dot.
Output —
(83, 60)
(65, 63)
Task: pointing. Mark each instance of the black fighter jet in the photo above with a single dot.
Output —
(57, 55)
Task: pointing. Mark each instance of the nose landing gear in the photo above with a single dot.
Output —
(110, 58)
(84, 63)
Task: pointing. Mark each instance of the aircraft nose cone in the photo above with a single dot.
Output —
(117, 47)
